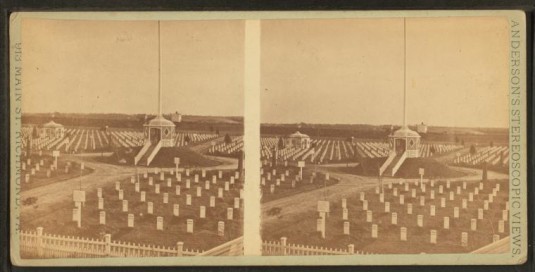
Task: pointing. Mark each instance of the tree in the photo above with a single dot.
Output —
(228, 140)
(280, 145)
(484, 175)
(473, 149)
(432, 149)
(217, 131)
(35, 133)
(187, 139)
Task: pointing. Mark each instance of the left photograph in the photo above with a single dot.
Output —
(131, 139)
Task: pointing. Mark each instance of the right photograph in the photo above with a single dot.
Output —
(384, 136)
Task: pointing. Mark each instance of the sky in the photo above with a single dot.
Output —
(75, 66)
(351, 71)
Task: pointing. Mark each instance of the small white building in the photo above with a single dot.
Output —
(160, 129)
(298, 140)
(52, 130)
(421, 128)
(405, 140)
(176, 117)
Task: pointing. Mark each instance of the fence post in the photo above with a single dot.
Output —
(283, 246)
(179, 248)
(351, 249)
(107, 241)
(40, 241)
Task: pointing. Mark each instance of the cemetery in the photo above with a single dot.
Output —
(199, 208)
(40, 169)
(405, 216)
(279, 181)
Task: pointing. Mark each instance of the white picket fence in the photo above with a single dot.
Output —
(282, 248)
(36, 244)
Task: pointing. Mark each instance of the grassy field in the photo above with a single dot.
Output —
(303, 230)
(40, 177)
(205, 230)
(311, 181)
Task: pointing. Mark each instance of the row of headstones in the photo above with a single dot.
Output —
(297, 179)
(38, 167)
(403, 233)
(188, 173)
(160, 222)
(220, 191)
(443, 204)
(422, 187)
(237, 202)
(446, 224)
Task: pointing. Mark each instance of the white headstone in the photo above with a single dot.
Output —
(130, 220)
(403, 234)
(374, 231)
(369, 216)
(202, 212)
(230, 213)
(150, 208)
(220, 228)
(176, 209)
(142, 196)
(159, 223)
(188, 199)
(102, 218)
(165, 198)
(433, 238)
(420, 220)
(346, 228)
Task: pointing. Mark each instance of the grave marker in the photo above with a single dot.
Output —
(150, 207)
(142, 196)
(346, 228)
(433, 237)
(188, 200)
(403, 234)
(102, 218)
(202, 212)
(464, 239)
(230, 213)
(420, 220)
(176, 209)
(130, 220)
(159, 223)
(220, 228)
(374, 231)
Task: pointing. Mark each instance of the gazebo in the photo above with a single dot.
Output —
(298, 140)
(405, 139)
(160, 129)
(52, 130)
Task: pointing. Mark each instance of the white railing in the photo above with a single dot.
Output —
(230, 248)
(399, 163)
(36, 244)
(282, 248)
(387, 162)
(142, 152)
(154, 152)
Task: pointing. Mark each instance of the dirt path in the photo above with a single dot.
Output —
(293, 207)
(56, 195)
